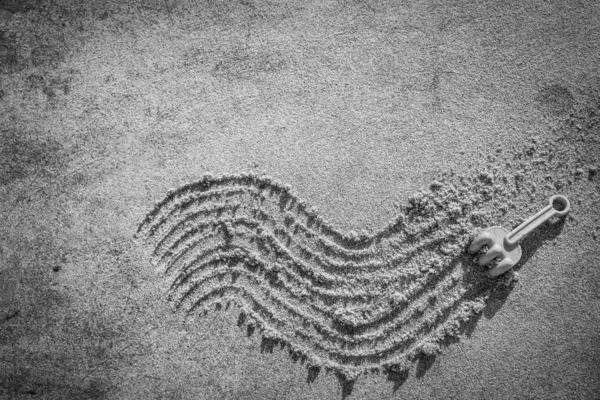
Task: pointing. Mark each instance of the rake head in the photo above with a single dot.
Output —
(493, 238)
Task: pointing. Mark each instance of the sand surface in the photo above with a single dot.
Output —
(354, 150)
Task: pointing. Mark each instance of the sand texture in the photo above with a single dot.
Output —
(351, 303)
(274, 200)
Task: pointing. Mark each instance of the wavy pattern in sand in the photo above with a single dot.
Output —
(348, 302)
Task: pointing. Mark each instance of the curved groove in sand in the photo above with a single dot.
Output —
(195, 224)
(320, 315)
(347, 301)
(303, 276)
(371, 354)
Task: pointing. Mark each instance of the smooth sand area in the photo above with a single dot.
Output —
(274, 199)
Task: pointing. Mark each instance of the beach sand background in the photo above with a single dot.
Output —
(104, 107)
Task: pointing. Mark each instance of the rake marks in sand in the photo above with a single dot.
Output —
(348, 302)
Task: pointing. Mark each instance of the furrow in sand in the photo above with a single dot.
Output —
(304, 275)
(317, 240)
(392, 345)
(448, 328)
(196, 234)
(388, 345)
(261, 186)
(210, 211)
(244, 228)
(187, 229)
(149, 228)
(300, 271)
(185, 221)
(321, 317)
(249, 306)
(255, 199)
(223, 252)
(348, 301)
(208, 185)
(255, 241)
(317, 243)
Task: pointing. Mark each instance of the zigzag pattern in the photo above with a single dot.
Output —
(348, 302)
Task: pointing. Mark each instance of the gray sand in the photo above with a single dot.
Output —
(405, 130)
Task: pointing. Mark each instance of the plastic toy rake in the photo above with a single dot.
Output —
(504, 245)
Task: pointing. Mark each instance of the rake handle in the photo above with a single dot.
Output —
(517, 234)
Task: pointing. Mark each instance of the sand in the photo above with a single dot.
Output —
(225, 200)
